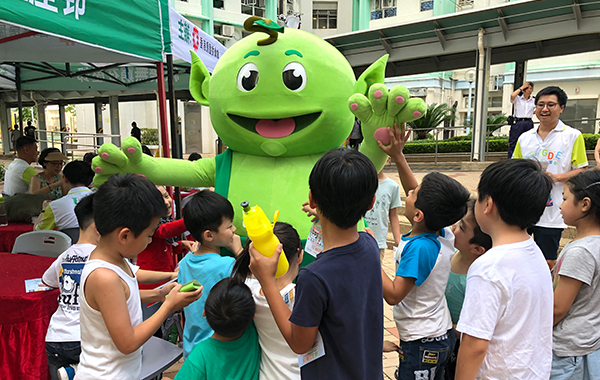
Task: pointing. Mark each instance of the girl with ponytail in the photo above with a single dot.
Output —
(278, 361)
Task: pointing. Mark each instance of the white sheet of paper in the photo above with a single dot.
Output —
(314, 241)
(35, 285)
(317, 351)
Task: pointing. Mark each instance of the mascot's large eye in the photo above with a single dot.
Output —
(247, 77)
(294, 76)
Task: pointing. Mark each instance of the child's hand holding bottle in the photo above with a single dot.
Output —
(263, 267)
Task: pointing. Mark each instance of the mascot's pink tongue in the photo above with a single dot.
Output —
(275, 129)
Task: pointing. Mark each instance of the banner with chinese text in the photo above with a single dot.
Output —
(186, 36)
(136, 28)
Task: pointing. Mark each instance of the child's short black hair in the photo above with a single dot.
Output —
(24, 141)
(587, 184)
(194, 156)
(84, 211)
(519, 189)
(146, 150)
(443, 200)
(206, 211)
(343, 183)
(229, 308)
(479, 237)
(561, 96)
(78, 173)
(127, 200)
(88, 157)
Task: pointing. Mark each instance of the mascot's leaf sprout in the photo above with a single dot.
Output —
(257, 24)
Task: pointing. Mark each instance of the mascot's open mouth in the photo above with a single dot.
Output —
(275, 128)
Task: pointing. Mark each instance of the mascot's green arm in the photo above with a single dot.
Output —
(378, 107)
(161, 171)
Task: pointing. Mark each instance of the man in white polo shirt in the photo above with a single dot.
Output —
(560, 150)
(19, 172)
(60, 214)
(524, 105)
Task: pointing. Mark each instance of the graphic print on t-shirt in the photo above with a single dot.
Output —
(69, 280)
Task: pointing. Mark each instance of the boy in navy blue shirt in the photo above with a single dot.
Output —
(339, 294)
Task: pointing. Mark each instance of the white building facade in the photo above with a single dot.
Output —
(578, 75)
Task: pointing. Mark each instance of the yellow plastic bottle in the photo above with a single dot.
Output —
(260, 231)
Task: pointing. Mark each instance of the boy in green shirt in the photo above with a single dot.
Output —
(232, 352)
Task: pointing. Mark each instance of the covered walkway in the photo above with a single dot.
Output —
(511, 32)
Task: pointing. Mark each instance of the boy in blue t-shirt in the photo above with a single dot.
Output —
(423, 266)
(232, 352)
(339, 294)
(208, 216)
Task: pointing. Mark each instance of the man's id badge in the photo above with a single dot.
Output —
(430, 357)
(317, 350)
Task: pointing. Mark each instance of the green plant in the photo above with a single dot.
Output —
(2, 170)
(149, 136)
(495, 122)
(496, 144)
(71, 109)
(28, 115)
(434, 116)
(590, 141)
(463, 144)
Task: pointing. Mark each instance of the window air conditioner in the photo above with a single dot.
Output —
(228, 30)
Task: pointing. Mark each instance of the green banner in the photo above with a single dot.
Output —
(134, 27)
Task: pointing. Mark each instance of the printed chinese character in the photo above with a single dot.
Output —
(45, 4)
(141, 73)
(124, 74)
(81, 78)
(184, 31)
(77, 6)
(195, 36)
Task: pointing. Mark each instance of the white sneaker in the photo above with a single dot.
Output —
(67, 373)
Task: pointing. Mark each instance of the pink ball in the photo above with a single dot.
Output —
(382, 135)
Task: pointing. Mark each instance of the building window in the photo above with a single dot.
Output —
(580, 114)
(495, 101)
(254, 7)
(426, 5)
(382, 8)
(325, 14)
(219, 4)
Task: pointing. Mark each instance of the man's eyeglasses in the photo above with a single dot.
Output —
(550, 106)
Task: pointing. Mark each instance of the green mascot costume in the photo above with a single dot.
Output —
(279, 101)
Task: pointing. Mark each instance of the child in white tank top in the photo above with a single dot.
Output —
(127, 209)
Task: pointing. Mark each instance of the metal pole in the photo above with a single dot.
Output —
(63, 127)
(98, 122)
(469, 105)
(162, 108)
(177, 152)
(436, 145)
(19, 98)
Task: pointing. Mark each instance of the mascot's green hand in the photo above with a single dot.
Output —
(112, 160)
(380, 109)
